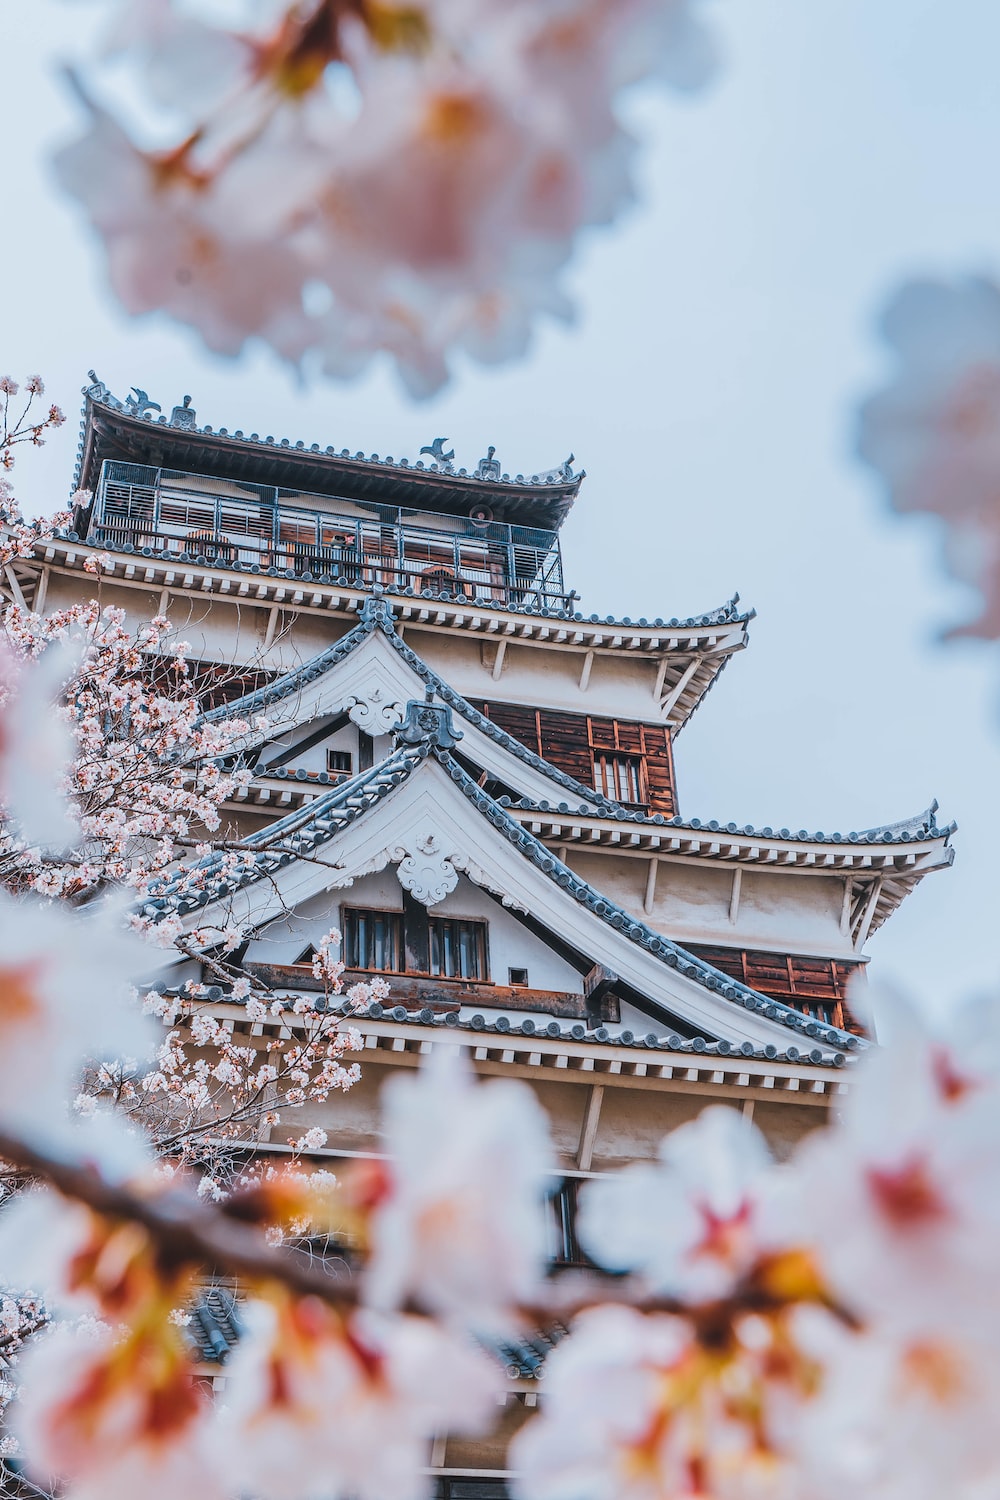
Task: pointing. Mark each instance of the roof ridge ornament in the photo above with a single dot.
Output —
(488, 467)
(185, 417)
(437, 453)
(139, 404)
(428, 723)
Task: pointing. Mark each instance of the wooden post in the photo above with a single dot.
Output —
(598, 986)
(734, 895)
(416, 935)
(588, 1134)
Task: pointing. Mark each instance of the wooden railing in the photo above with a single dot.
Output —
(160, 513)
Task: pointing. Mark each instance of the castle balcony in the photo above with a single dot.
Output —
(255, 528)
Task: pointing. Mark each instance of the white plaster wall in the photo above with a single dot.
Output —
(510, 944)
(313, 759)
(788, 912)
(621, 686)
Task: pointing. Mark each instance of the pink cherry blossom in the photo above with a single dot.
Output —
(692, 1225)
(425, 170)
(459, 1224)
(933, 433)
(81, 1420)
(900, 1198)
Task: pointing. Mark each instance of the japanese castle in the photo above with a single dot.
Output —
(473, 780)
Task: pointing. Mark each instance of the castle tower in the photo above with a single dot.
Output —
(473, 779)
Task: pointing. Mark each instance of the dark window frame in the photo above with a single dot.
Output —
(358, 941)
(456, 948)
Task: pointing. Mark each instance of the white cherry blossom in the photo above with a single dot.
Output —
(692, 1224)
(459, 1223)
(319, 1405)
(65, 999)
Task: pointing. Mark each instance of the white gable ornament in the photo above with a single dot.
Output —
(373, 711)
(428, 874)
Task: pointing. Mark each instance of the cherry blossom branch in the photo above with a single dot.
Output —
(183, 1226)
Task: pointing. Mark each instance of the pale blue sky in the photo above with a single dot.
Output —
(725, 334)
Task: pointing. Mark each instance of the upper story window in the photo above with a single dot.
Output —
(458, 948)
(373, 940)
(620, 778)
(627, 762)
(376, 941)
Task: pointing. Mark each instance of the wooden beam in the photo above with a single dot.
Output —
(164, 603)
(272, 625)
(588, 1134)
(588, 663)
(868, 917)
(15, 587)
(42, 590)
(650, 896)
(498, 660)
(598, 987)
(419, 991)
(734, 895)
(845, 910)
(678, 688)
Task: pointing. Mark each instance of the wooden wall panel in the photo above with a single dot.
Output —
(815, 986)
(570, 741)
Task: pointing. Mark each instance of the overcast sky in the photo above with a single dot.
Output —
(708, 388)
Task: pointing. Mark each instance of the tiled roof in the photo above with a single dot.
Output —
(376, 614)
(920, 827)
(309, 828)
(214, 1331)
(111, 427)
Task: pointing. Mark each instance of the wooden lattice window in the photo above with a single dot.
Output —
(620, 778)
(458, 948)
(373, 940)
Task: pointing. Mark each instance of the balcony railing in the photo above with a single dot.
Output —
(183, 518)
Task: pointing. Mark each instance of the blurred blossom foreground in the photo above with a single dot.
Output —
(933, 434)
(340, 177)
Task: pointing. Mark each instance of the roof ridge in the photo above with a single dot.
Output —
(184, 419)
(920, 826)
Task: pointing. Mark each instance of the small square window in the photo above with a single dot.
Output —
(517, 978)
(339, 762)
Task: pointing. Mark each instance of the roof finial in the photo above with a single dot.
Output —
(488, 467)
(184, 416)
